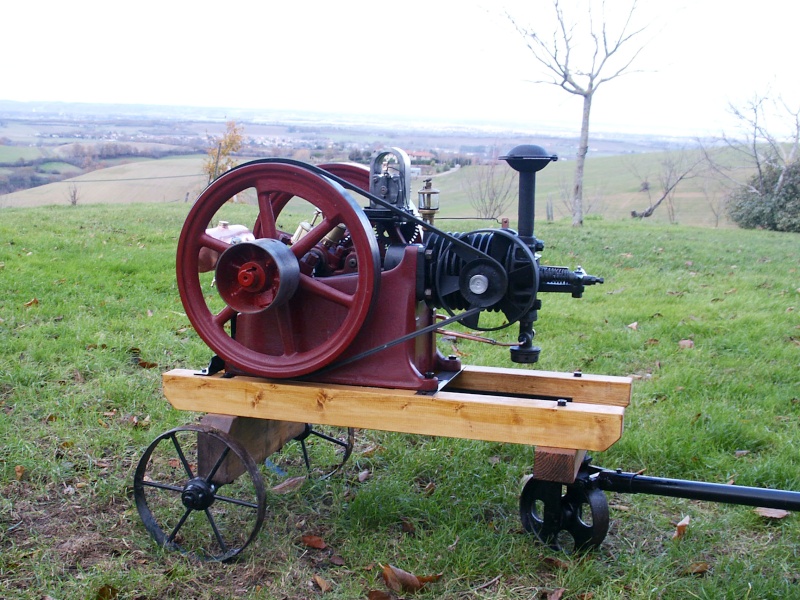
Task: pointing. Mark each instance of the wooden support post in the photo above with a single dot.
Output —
(557, 464)
(260, 437)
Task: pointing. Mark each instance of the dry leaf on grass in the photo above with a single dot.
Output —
(378, 595)
(681, 527)
(289, 485)
(558, 563)
(700, 567)
(322, 584)
(686, 344)
(19, 471)
(556, 594)
(399, 580)
(364, 475)
(634, 325)
(314, 541)
(771, 513)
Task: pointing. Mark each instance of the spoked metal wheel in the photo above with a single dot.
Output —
(572, 521)
(198, 491)
(318, 452)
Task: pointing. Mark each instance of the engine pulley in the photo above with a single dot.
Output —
(507, 283)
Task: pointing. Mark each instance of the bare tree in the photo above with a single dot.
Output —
(676, 167)
(72, 194)
(610, 56)
(489, 188)
(715, 198)
(769, 137)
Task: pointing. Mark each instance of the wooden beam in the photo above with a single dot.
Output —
(449, 414)
(586, 388)
(557, 464)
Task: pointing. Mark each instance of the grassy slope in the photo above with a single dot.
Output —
(611, 188)
(164, 180)
(84, 285)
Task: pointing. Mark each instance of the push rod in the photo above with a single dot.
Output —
(633, 483)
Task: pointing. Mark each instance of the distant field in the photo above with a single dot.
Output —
(10, 154)
(164, 180)
(611, 190)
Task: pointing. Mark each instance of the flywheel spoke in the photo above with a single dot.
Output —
(323, 290)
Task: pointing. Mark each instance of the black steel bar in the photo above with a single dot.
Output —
(527, 205)
(632, 483)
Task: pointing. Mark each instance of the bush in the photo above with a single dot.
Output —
(756, 206)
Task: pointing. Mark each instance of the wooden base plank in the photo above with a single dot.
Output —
(583, 388)
(448, 414)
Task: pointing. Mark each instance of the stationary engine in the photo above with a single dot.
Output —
(350, 294)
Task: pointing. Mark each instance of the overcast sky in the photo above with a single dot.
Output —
(459, 61)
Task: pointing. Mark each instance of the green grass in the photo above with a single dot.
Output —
(11, 154)
(84, 286)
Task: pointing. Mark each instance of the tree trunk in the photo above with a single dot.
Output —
(583, 149)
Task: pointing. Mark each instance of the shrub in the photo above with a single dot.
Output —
(762, 204)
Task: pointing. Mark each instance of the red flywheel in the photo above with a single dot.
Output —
(279, 320)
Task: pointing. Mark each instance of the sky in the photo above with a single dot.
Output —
(436, 61)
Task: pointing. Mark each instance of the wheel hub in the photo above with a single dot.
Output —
(198, 494)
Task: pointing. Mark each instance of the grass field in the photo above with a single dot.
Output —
(612, 189)
(90, 317)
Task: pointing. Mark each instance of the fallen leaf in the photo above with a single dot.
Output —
(399, 580)
(634, 325)
(378, 595)
(364, 475)
(149, 313)
(556, 594)
(700, 567)
(371, 450)
(107, 592)
(314, 541)
(680, 528)
(685, 344)
(771, 513)
(557, 562)
(586, 596)
(741, 453)
(322, 584)
(288, 485)
(429, 489)
(31, 302)
(408, 527)
(19, 471)
(336, 560)
(147, 365)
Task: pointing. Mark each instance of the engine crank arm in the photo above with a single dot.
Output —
(400, 340)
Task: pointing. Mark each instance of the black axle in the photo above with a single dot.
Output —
(634, 483)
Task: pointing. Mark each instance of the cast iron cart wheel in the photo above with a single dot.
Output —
(275, 184)
(319, 452)
(184, 505)
(574, 521)
(341, 443)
